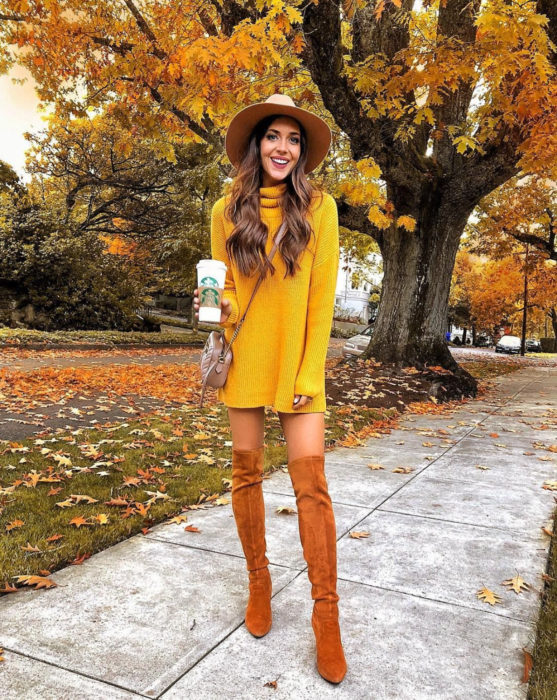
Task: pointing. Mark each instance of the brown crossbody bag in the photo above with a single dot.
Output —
(216, 358)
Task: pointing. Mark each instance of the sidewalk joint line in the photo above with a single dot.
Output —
(76, 673)
(434, 600)
(457, 522)
(214, 551)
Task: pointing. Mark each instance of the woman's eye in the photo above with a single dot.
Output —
(294, 139)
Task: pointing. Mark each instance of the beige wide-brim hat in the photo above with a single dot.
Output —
(243, 122)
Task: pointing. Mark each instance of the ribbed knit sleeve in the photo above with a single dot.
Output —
(218, 252)
(321, 302)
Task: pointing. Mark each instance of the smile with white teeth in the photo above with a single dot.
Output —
(279, 161)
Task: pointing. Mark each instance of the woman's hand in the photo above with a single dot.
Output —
(225, 307)
(302, 400)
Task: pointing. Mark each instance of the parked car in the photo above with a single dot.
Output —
(357, 343)
(509, 344)
(533, 345)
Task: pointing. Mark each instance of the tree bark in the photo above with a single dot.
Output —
(413, 308)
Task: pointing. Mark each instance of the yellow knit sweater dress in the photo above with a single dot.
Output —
(281, 348)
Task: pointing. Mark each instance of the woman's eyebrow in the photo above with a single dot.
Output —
(278, 132)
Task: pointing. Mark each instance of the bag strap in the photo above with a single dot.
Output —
(278, 237)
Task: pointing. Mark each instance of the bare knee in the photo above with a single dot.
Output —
(247, 426)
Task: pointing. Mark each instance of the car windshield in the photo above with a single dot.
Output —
(510, 340)
(366, 331)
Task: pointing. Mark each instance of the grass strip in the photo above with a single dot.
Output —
(10, 337)
(543, 677)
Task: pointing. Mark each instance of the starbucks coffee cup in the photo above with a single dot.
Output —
(211, 275)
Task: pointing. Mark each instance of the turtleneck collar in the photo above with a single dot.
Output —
(270, 196)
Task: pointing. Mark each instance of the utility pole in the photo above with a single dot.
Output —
(524, 311)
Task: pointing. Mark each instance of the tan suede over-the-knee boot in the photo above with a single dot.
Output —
(249, 514)
(316, 522)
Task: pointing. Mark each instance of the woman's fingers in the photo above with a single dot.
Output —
(302, 400)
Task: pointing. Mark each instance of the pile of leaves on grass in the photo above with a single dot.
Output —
(366, 383)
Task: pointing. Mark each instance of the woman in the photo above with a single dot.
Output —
(280, 351)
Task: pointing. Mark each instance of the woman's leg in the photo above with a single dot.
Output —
(247, 425)
(305, 436)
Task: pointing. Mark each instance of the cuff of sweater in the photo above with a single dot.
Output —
(305, 388)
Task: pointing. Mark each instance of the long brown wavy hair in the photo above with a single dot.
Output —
(246, 243)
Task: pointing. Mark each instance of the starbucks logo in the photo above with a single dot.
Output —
(209, 282)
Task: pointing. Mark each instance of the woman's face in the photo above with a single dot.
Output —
(281, 142)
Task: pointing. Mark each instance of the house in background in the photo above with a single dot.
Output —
(353, 300)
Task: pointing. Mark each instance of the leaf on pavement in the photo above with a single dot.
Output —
(517, 584)
(36, 581)
(177, 519)
(528, 664)
(488, 596)
(357, 535)
(285, 510)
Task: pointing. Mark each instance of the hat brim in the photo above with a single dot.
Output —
(242, 124)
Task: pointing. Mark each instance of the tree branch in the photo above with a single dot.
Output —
(146, 29)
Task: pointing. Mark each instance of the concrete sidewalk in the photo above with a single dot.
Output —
(161, 616)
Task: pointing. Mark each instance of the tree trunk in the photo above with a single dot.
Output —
(410, 326)
(553, 314)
